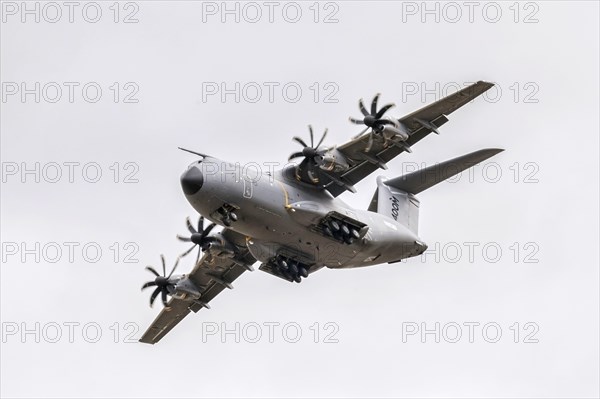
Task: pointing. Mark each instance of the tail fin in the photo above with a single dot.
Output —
(396, 197)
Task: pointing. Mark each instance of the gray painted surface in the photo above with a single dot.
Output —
(546, 197)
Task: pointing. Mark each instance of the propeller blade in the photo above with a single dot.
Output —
(189, 225)
(383, 110)
(312, 136)
(361, 133)
(299, 141)
(164, 297)
(208, 230)
(151, 269)
(374, 104)
(322, 138)
(162, 259)
(296, 155)
(198, 256)
(357, 121)
(188, 251)
(154, 295)
(174, 267)
(184, 239)
(148, 284)
(362, 107)
(201, 223)
(369, 144)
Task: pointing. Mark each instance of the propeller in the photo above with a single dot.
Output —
(163, 283)
(199, 237)
(372, 120)
(312, 155)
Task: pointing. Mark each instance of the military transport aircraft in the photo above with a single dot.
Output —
(292, 221)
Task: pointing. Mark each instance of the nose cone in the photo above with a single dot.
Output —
(192, 180)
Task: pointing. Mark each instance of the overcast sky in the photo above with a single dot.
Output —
(513, 246)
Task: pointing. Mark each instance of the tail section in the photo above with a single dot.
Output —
(399, 205)
(396, 199)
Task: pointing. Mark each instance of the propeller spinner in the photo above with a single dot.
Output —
(312, 155)
(163, 283)
(199, 237)
(372, 120)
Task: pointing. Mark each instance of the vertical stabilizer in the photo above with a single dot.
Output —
(397, 204)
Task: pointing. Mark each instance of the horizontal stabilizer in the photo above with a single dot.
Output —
(423, 179)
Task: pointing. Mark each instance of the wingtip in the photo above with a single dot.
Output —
(490, 151)
(485, 83)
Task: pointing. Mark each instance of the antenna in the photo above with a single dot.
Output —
(193, 152)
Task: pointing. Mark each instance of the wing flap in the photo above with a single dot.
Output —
(168, 318)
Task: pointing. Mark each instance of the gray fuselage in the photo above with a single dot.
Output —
(276, 213)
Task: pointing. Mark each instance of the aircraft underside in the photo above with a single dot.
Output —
(294, 239)
(292, 222)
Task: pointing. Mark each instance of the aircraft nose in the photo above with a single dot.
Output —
(192, 180)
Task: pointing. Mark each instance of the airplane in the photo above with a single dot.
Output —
(292, 221)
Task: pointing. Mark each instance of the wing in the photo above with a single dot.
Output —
(417, 124)
(211, 275)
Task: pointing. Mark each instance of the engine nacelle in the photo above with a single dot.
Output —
(333, 161)
(393, 132)
(221, 248)
(186, 289)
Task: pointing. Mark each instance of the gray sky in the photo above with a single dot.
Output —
(514, 242)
